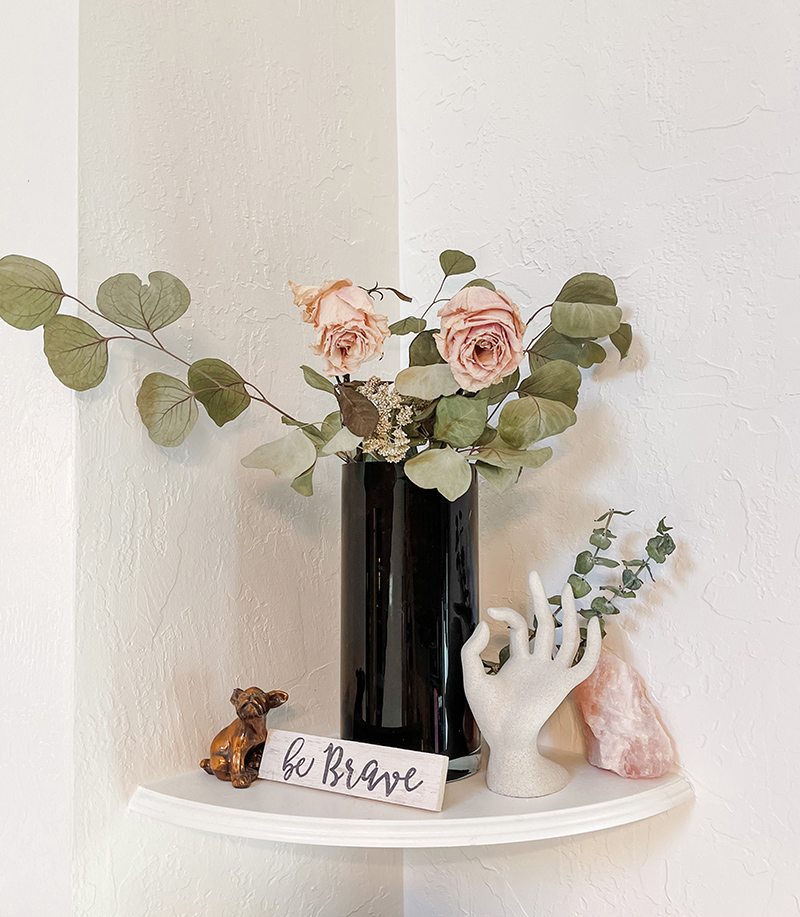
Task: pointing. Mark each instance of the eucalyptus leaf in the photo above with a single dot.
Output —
(124, 299)
(30, 292)
(288, 457)
(440, 469)
(316, 437)
(359, 414)
(599, 540)
(554, 346)
(530, 419)
(456, 262)
(585, 320)
(168, 409)
(459, 420)
(427, 382)
(502, 456)
(303, 483)
(584, 562)
(331, 425)
(591, 353)
(593, 288)
(77, 354)
(622, 339)
(602, 606)
(503, 656)
(408, 325)
(558, 381)
(580, 587)
(222, 404)
(500, 479)
(494, 394)
(423, 350)
(489, 434)
(659, 547)
(343, 441)
(606, 562)
(480, 282)
(316, 380)
(630, 580)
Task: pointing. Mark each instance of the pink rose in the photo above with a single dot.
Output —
(350, 331)
(481, 337)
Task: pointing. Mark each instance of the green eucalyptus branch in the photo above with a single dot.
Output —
(255, 395)
(657, 549)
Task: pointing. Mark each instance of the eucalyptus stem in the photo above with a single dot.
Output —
(157, 345)
(548, 306)
(435, 297)
(530, 346)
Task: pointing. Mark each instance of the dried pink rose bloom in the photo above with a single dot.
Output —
(621, 727)
(481, 337)
(350, 331)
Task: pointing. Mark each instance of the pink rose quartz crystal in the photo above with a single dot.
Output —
(621, 727)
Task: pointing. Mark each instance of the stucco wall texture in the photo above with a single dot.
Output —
(237, 145)
(243, 144)
(657, 143)
(38, 213)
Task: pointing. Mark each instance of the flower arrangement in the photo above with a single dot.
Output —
(466, 399)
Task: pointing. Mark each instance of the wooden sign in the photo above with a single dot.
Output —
(405, 778)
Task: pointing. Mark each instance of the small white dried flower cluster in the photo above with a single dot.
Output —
(388, 439)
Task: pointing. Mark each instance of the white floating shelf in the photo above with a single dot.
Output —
(472, 816)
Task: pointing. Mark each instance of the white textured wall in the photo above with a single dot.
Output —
(237, 144)
(656, 142)
(38, 216)
(241, 144)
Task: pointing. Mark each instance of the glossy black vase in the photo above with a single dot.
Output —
(409, 602)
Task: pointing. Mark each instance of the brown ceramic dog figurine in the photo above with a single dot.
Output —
(236, 751)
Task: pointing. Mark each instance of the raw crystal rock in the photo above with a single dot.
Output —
(621, 727)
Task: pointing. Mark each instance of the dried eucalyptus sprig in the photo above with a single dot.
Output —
(657, 550)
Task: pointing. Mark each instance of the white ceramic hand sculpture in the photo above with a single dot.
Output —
(513, 705)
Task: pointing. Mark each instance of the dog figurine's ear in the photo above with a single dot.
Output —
(237, 693)
(276, 699)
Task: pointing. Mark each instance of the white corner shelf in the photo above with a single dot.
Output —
(471, 816)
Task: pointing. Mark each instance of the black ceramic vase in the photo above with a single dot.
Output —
(409, 602)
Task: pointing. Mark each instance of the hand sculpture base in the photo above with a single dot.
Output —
(512, 706)
(525, 773)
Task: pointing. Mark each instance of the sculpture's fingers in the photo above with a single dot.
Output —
(591, 655)
(545, 628)
(570, 633)
(471, 653)
(519, 629)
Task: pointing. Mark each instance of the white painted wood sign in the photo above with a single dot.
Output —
(405, 778)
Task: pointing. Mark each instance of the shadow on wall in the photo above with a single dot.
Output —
(522, 531)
